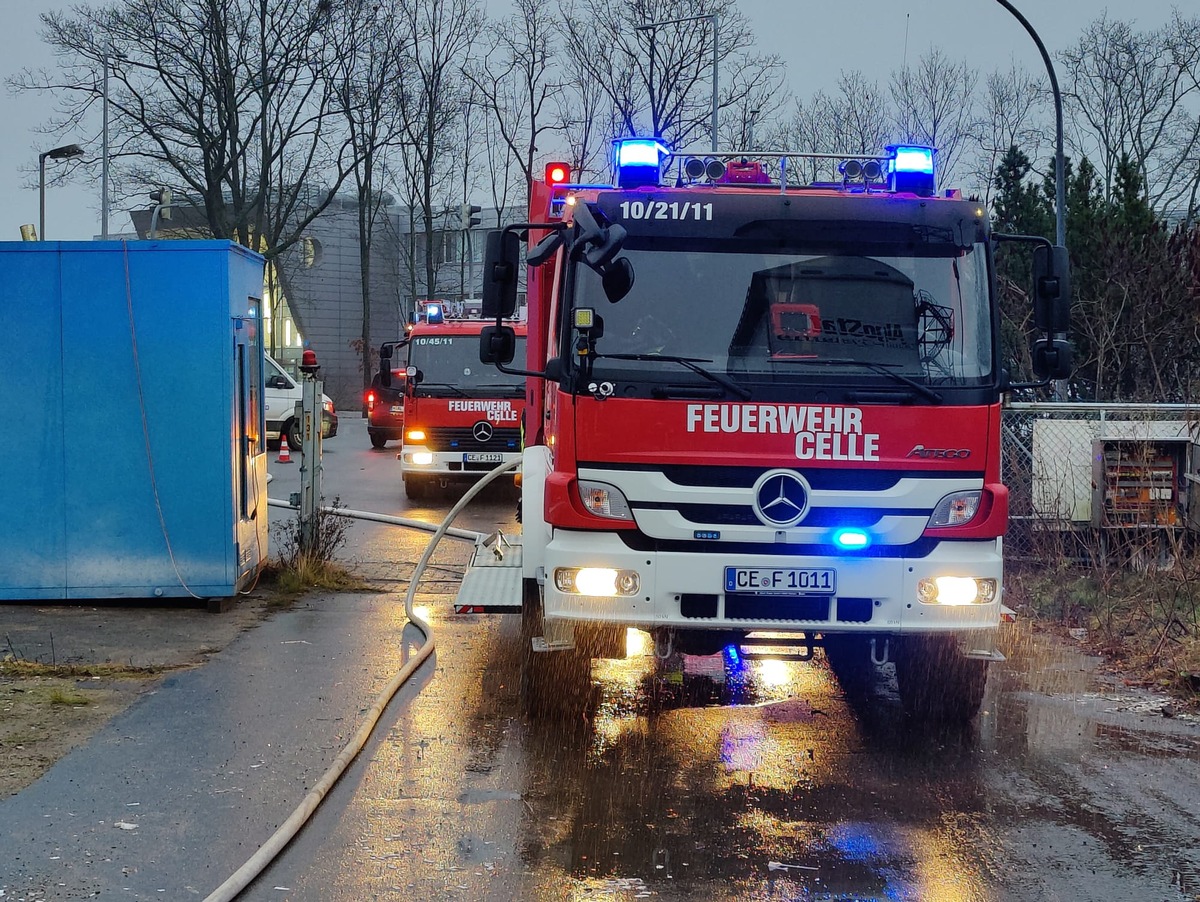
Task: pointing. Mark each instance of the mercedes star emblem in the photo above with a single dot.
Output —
(780, 498)
(482, 431)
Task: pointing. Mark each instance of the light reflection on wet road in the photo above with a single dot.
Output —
(705, 779)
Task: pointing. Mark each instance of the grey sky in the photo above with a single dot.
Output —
(815, 40)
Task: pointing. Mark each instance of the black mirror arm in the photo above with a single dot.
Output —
(1029, 239)
(538, 374)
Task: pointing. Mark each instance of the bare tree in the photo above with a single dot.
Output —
(855, 119)
(223, 100)
(756, 113)
(516, 79)
(438, 37)
(588, 120)
(365, 69)
(1128, 95)
(659, 81)
(1012, 103)
(934, 104)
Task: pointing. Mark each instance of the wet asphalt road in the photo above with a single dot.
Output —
(716, 782)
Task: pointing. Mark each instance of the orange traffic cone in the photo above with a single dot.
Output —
(285, 453)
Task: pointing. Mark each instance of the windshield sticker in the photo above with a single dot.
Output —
(822, 433)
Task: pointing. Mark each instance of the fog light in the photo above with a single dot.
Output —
(422, 458)
(628, 582)
(597, 581)
(956, 590)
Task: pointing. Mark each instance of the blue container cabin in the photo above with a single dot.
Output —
(134, 454)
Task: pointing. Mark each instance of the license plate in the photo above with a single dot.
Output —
(483, 457)
(397, 409)
(780, 581)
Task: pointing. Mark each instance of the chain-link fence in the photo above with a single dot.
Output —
(1081, 475)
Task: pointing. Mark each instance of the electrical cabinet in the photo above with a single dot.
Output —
(1139, 484)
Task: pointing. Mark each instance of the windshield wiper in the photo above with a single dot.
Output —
(454, 388)
(881, 368)
(690, 363)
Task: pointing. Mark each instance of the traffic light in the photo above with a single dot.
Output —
(469, 219)
(162, 197)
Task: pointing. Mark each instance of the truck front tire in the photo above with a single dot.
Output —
(415, 487)
(849, 657)
(936, 682)
(553, 683)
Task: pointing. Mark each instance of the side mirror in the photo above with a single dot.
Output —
(1051, 289)
(385, 366)
(500, 262)
(544, 249)
(497, 344)
(597, 245)
(617, 279)
(413, 376)
(1052, 358)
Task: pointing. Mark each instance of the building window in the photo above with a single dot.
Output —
(312, 252)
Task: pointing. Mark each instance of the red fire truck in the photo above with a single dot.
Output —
(461, 418)
(763, 410)
(385, 405)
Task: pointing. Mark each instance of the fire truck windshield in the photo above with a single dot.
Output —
(798, 315)
(449, 365)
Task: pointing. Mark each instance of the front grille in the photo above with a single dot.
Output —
(696, 605)
(459, 438)
(743, 515)
(777, 607)
(854, 610)
(637, 540)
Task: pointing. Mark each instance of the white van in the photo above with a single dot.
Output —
(281, 395)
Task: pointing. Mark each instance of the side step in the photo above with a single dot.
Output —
(492, 583)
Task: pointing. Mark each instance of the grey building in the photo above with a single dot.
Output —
(313, 295)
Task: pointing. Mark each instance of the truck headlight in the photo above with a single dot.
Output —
(604, 500)
(956, 590)
(956, 509)
(597, 581)
(422, 458)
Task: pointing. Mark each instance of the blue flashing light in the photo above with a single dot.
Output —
(912, 169)
(852, 539)
(733, 658)
(638, 161)
(640, 152)
(913, 159)
(434, 313)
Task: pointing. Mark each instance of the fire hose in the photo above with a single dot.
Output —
(275, 844)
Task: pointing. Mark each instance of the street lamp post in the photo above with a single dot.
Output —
(104, 155)
(58, 153)
(1060, 189)
(713, 17)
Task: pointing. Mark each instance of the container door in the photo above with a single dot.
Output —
(250, 466)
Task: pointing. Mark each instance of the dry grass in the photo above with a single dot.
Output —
(1140, 605)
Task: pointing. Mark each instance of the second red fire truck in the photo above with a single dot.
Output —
(461, 417)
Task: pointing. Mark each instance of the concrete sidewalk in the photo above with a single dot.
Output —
(174, 794)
